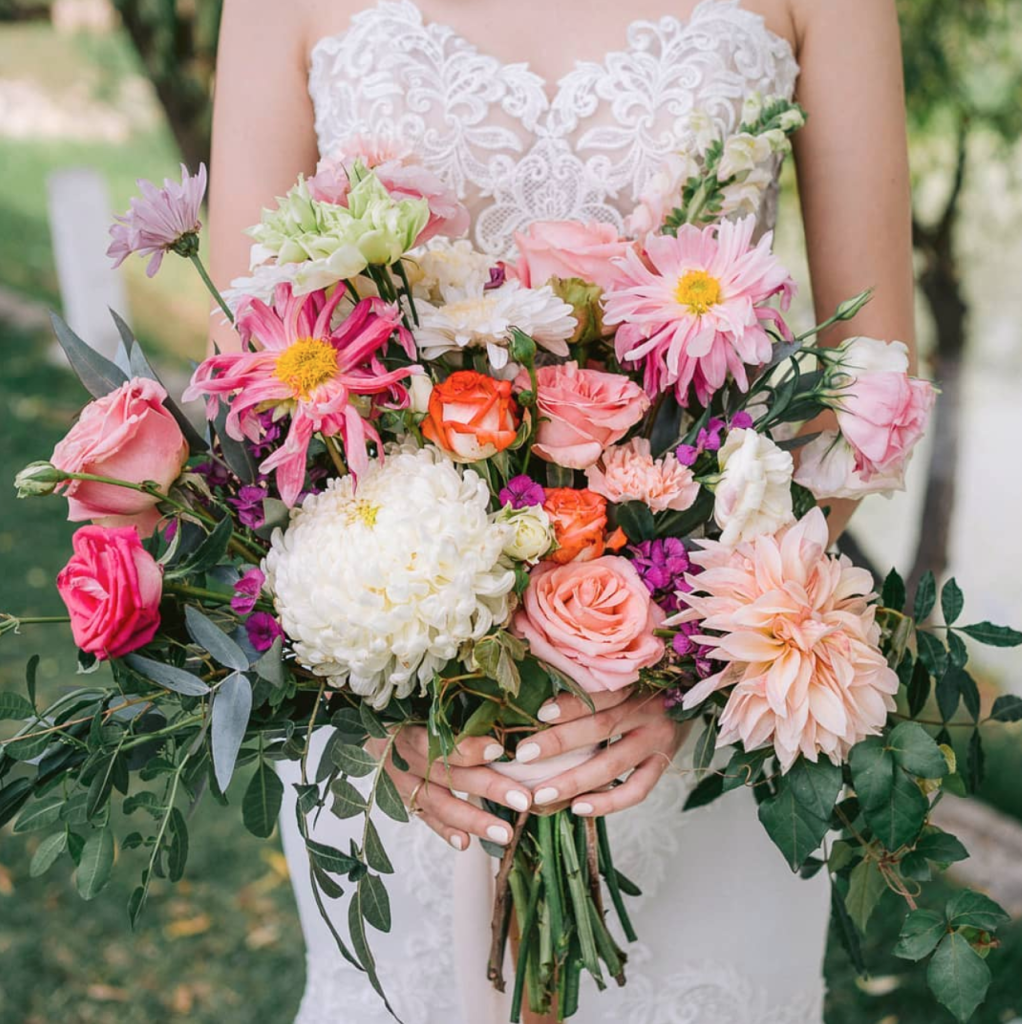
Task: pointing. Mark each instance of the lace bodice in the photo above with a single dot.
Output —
(514, 153)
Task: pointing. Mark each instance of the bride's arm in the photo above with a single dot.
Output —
(853, 178)
(263, 132)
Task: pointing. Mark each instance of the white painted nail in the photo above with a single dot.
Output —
(549, 712)
(458, 842)
(499, 834)
(547, 795)
(580, 808)
(527, 752)
(518, 800)
(493, 751)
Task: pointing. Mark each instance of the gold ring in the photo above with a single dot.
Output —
(415, 793)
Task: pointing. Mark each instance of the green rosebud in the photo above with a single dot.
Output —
(850, 307)
(38, 478)
(523, 348)
(187, 245)
(584, 299)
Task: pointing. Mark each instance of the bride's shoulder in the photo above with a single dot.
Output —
(810, 17)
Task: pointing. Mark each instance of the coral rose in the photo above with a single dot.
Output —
(128, 435)
(471, 416)
(629, 472)
(803, 670)
(594, 621)
(567, 248)
(582, 412)
(579, 520)
(112, 588)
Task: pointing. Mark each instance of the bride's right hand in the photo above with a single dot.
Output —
(431, 792)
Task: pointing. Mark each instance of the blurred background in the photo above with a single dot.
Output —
(96, 93)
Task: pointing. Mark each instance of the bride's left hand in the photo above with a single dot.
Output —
(649, 739)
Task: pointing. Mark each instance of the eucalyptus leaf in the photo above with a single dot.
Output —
(348, 801)
(98, 375)
(260, 805)
(352, 760)
(177, 845)
(39, 815)
(209, 636)
(47, 852)
(168, 676)
(96, 863)
(373, 851)
(14, 706)
(271, 665)
(388, 799)
(374, 903)
(329, 858)
(232, 706)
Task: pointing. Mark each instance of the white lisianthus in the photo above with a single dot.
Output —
(532, 533)
(704, 131)
(743, 152)
(379, 588)
(826, 467)
(753, 495)
(420, 387)
(858, 356)
(752, 107)
(791, 120)
(662, 193)
(484, 320)
(446, 271)
(745, 196)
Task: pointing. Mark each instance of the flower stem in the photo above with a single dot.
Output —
(212, 288)
(199, 593)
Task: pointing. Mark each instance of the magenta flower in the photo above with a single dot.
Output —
(694, 308)
(161, 220)
(295, 359)
(247, 590)
(522, 492)
(262, 629)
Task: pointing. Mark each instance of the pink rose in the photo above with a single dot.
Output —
(112, 588)
(128, 435)
(594, 621)
(881, 410)
(566, 248)
(582, 412)
(628, 472)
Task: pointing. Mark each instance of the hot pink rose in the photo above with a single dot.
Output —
(594, 621)
(112, 588)
(628, 472)
(582, 412)
(881, 410)
(566, 248)
(128, 435)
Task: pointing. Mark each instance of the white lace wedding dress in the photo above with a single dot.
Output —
(727, 934)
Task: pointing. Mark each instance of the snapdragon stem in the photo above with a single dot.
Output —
(212, 288)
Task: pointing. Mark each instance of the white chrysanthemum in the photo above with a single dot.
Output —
(445, 271)
(486, 318)
(378, 589)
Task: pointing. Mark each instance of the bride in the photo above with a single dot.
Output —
(533, 110)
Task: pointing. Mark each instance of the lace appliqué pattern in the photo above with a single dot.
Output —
(515, 155)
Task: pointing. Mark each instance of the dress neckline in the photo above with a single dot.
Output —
(680, 25)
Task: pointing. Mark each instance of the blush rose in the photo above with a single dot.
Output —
(566, 248)
(471, 416)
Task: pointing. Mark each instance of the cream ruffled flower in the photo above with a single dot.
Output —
(803, 671)
(753, 496)
(484, 320)
(379, 588)
(448, 271)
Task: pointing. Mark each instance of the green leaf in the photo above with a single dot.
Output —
(96, 863)
(270, 666)
(136, 901)
(975, 762)
(232, 706)
(893, 593)
(371, 720)
(353, 760)
(951, 601)
(896, 821)
(918, 689)
(213, 639)
(709, 788)
(872, 771)
(329, 858)
(374, 902)
(957, 651)
(941, 847)
(356, 929)
(210, 553)
(970, 693)
(706, 745)
(47, 853)
(846, 932)
(958, 976)
(743, 768)
(968, 909)
(261, 802)
(926, 597)
(373, 851)
(993, 636)
(98, 375)
(13, 705)
(916, 751)
(932, 652)
(388, 799)
(920, 933)
(796, 832)
(177, 845)
(168, 676)
(13, 797)
(815, 786)
(1007, 709)
(236, 455)
(102, 784)
(948, 693)
(636, 519)
(31, 668)
(39, 815)
(348, 801)
(865, 887)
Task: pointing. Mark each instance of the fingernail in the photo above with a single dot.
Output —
(518, 800)
(458, 842)
(527, 752)
(547, 795)
(498, 834)
(548, 712)
(493, 751)
(578, 808)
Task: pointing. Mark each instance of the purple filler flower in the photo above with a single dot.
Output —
(521, 492)
(741, 421)
(661, 565)
(249, 505)
(262, 629)
(498, 275)
(246, 591)
(162, 219)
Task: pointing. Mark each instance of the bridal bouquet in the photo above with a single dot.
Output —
(437, 489)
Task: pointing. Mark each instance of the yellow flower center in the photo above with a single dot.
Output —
(360, 510)
(698, 291)
(306, 364)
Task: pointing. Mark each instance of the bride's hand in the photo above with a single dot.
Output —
(427, 791)
(649, 740)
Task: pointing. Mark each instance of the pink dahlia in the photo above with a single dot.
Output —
(163, 219)
(695, 308)
(794, 625)
(295, 360)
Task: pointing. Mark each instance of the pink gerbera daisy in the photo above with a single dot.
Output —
(694, 309)
(295, 361)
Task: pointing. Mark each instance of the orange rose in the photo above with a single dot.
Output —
(579, 519)
(471, 416)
